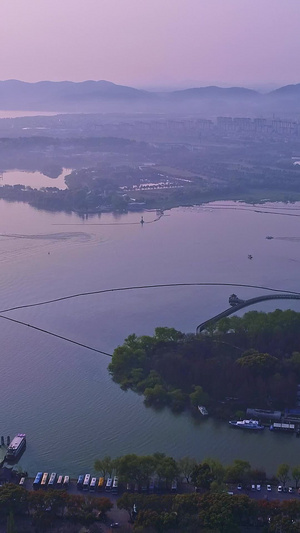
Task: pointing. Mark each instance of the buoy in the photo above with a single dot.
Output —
(142, 220)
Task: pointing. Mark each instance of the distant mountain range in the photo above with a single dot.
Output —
(93, 96)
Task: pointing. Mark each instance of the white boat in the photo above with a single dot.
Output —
(16, 447)
(203, 410)
(246, 424)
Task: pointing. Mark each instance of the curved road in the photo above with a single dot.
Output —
(243, 304)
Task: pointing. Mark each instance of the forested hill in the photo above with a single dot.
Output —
(254, 359)
(100, 96)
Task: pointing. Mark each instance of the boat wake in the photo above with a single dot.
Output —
(289, 239)
(65, 236)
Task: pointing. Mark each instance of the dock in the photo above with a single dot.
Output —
(3, 450)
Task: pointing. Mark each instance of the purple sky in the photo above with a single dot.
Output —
(151, 42)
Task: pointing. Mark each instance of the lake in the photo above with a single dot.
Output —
(5, 113)
(36, 180)
(61, 395)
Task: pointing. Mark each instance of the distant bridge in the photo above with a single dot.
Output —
(242, 304)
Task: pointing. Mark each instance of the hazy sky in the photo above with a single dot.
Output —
(151, 42)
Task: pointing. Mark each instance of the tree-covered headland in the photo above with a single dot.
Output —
(240, 362)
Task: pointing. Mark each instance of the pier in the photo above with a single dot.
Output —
(244, 303)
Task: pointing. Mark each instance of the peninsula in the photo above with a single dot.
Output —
(236, 363)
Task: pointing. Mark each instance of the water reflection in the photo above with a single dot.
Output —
(36, 180)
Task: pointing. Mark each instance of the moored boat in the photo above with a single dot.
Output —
(202, 410)
(16, 447)
(246, 424)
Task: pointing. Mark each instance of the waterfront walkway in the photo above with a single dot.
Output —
(241, 305)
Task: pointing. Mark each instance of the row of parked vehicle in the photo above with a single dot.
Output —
(88, 483)
(43, 480)
(280, 488)
(93, 484)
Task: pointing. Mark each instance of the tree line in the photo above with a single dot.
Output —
(253, 359)
(211, 508)
(210, 512)
(45, 510)
(210, 474)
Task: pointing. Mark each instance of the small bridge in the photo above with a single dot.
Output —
(244, 303)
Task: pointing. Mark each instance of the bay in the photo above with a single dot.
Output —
(61, 395)
(36, 180)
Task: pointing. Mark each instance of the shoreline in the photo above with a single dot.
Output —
(253, 198)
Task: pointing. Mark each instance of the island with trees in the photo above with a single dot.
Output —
(237, 363)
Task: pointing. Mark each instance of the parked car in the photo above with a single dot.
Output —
(279, 488)
(239, 487)
(291, 490)
(258, 487)
(252, 487)
(269, 488)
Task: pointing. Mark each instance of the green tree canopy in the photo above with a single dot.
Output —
(283, 473)
(186, 466)
(202, 476)
(199, 397)
(296, 474)
(238, 472)
(104, 466)
(259, 362)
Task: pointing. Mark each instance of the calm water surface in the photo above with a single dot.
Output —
(4, 113)
(36, 180)
(61, 395)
